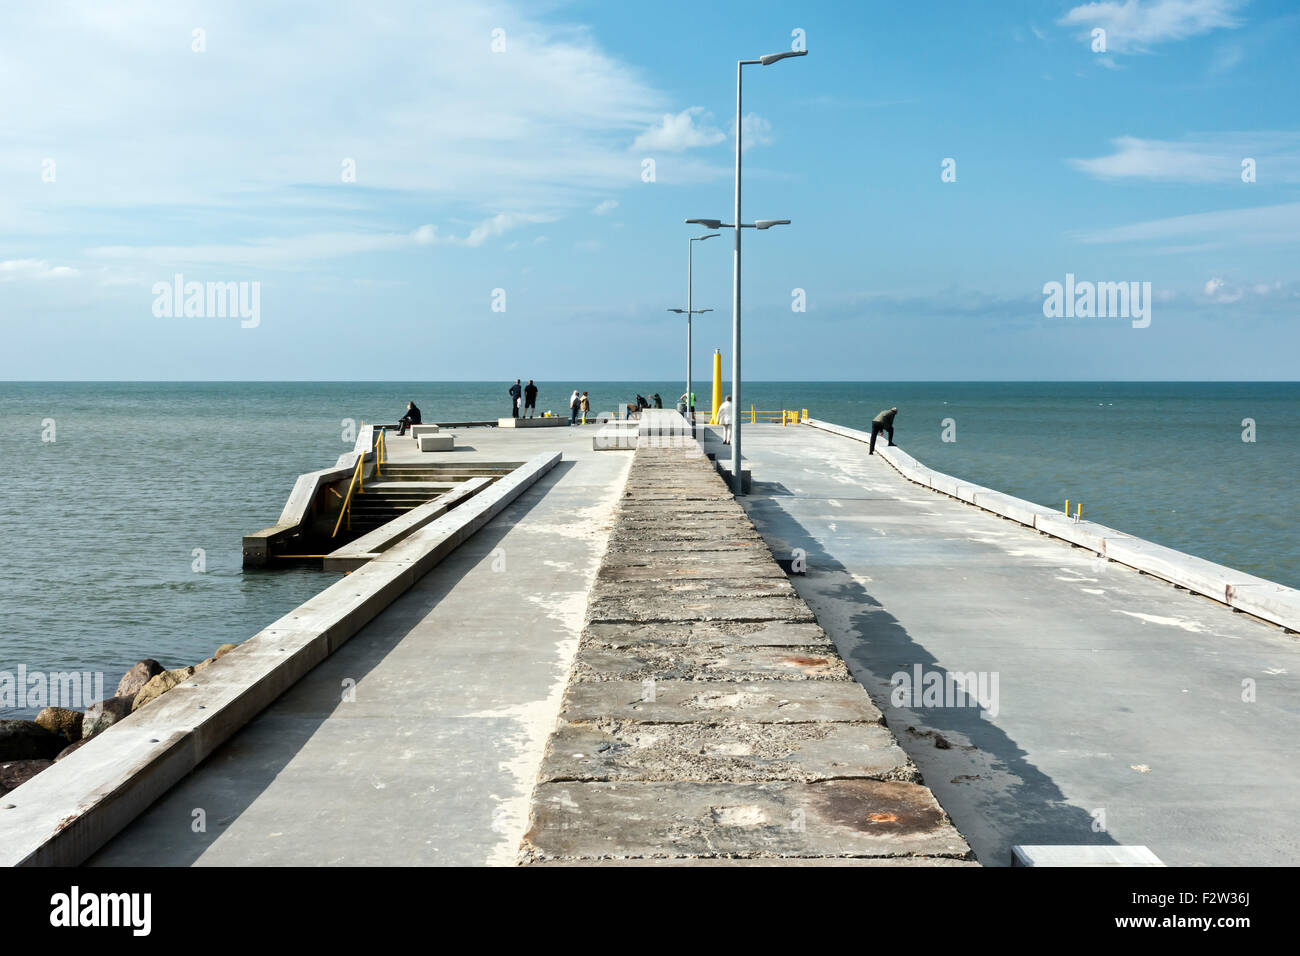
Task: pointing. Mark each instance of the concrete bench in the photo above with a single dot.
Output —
(418, 430)
(436, 442)
(555, 421)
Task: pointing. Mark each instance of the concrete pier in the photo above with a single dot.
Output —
(607, 664)
(1122, 699)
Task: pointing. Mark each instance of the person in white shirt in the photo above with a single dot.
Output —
(724, 419)
(573, 407)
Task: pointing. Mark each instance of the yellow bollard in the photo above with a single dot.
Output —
(1078, 514)
(1067, 507)
(717, 385)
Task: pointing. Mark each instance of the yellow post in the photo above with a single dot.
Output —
(1078, 514)
(753, 415)
(805, 415)
(717, 385)
(1067, 507)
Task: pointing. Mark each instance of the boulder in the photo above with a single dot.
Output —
(27, 740)
(71, 747)
(203, 663)
(223, 650)
(14, 773)
(161, 684)
(62, 721)
(138, 676)
(109, 712)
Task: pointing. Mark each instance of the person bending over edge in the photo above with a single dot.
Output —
(884, 422)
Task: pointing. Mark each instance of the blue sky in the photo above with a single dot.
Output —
(128, 157)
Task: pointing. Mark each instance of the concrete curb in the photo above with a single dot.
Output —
(67, 812)
(1253, 595)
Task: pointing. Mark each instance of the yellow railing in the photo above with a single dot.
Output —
(358, 481)
(785, 416)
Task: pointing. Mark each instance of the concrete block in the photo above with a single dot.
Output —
(1086, 534)
(721, 633)
(702, 662)
(1017, 509)
(1269, 601)
(1083, 856)
(745, 753)
(684, 702)
(436, 442)
(1195, 574)
(657, 819)
(418, 430)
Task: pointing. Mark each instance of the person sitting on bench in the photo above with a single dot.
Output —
(412, 417)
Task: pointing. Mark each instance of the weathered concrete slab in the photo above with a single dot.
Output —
(741, 753)
(648, 608)
(734, 633)
(699, 570)
(828, 819)
(679, 702)
(702, 662)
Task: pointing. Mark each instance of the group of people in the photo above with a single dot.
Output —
(523, 400)
(579, 404)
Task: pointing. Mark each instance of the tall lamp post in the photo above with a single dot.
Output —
(690, 311)
(768, 60)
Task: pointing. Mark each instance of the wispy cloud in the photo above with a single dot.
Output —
(606, 206)
(1135, 26)
(1200, 159)
(37, 269)
(1260, 224)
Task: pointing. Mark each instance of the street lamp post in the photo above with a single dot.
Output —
(690, 311)
(736, 478)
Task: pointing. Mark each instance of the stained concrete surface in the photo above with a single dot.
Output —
(1120, 697)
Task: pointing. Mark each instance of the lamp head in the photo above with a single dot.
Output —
(774, 57)
(769, 223)
(706, 223)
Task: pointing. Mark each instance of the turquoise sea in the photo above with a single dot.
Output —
(102, 527)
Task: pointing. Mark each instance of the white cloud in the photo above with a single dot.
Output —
(1199, 159)
(38, 269)
(1259, 224)
(1134, 26)
(676, 132)
(608, 205)
(756, 130)
(257, 127)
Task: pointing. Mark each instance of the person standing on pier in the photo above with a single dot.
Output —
(884, 422)
(530, 399)
(515, 394)
(585, 405)
(412, 417)
(724, 419)
(573, 407)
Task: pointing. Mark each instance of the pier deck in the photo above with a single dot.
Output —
(1119, 719)
(457, 685)
(1118, 692)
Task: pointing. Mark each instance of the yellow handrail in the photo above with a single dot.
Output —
(347, 501)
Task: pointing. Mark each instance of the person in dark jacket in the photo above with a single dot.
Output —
(515, 394)
(412, 417)
(530, 399)
(884, 422)
(659, 402)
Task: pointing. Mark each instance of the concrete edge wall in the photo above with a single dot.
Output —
(297, 511)
(68, 811)
(1257, 596)
(358, 552)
